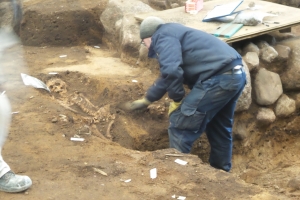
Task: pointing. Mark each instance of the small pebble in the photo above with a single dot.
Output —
(54, 120)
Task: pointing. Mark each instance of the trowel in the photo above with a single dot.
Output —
(126, 106)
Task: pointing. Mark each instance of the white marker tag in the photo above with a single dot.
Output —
(181, 162)
(153, 173)
(77, 139)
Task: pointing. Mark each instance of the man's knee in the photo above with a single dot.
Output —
(177, 141)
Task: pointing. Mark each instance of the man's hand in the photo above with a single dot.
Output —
(136, 105)
(173, 106)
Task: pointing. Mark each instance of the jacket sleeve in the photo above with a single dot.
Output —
(168, 49)
(157, 90)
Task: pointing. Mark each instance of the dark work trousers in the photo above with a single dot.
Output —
(209, 107)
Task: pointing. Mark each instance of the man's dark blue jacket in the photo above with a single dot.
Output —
(186, 55)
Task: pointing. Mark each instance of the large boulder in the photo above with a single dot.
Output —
(113, 23)
(267, 87)
(291, 76)
(129, 39)
(252, 60)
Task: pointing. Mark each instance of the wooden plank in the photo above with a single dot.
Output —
(286, 16)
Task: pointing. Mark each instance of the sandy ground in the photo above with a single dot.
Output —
(39, 142)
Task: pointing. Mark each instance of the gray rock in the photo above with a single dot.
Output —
(115, 11)
(280, 63)
(296, 97)
(143, 54)
(245, 99)
(291, 76)
(262, 44)
(283, 52)
(285, 106)
(265, 116)
(267, 87)
(129, 39)
(268, 54)
(252, 60)
(251, 47)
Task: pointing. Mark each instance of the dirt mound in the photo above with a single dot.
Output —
(50, 22)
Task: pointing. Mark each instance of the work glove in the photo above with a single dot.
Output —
(173, 106)
(137, 104)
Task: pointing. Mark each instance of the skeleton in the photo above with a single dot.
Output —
(95, 113)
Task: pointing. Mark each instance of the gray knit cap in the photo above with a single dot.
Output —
(149, 26)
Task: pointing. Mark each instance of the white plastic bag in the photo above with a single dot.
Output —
(251, 18)
(30, 80)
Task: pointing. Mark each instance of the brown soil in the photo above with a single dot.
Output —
(39, 142)
(84, 99)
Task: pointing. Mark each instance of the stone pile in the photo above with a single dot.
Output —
(275, 75)
(274, 71)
